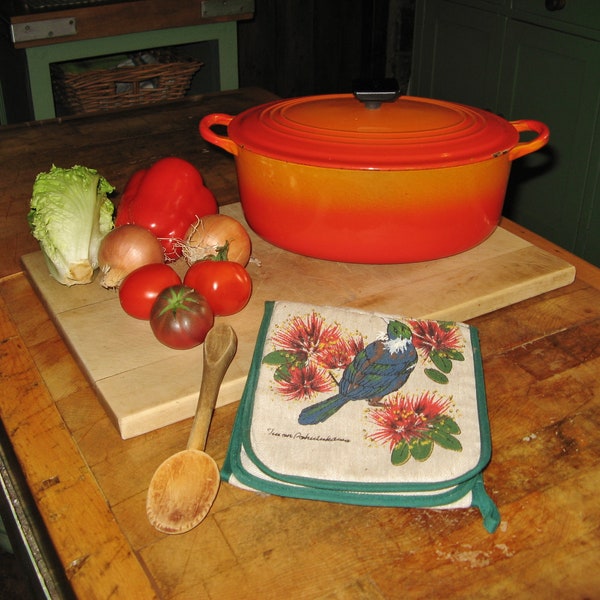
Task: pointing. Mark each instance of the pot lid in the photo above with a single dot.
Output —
(340, 131)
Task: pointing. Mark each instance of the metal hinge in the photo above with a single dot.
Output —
(42, 30)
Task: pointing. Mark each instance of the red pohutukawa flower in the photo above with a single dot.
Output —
(340, 355)
(405, 418)
(430, 335)
(304, 382)
(305, 351)
(307, 338)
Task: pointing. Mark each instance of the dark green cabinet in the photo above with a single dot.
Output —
(521, 60)
(457, 53)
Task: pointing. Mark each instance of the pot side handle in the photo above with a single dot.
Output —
(523, 148)
(206, 123)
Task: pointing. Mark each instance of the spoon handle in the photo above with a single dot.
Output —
(219, 349)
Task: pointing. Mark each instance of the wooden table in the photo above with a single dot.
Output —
(542, 366)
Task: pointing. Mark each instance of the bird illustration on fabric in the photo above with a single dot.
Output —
(381, 368)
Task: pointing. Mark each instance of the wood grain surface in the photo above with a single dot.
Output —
(541, 361)
(541, 364)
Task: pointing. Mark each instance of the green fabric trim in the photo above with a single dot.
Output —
(486, 506)
(234, 448)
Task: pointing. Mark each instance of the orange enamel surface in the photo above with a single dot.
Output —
(372, 216)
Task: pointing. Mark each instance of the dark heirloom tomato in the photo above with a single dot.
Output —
(225, 284)
(181, 317)
(139, 289)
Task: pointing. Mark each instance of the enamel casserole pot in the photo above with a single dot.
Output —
(353, 179)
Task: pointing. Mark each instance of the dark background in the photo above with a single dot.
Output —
(304, 47)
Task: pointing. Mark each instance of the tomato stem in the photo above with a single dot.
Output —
(179, 299)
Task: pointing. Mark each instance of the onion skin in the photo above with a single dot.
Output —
(217, 237)
(124, 249)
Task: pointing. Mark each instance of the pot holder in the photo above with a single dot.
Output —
(363, 408)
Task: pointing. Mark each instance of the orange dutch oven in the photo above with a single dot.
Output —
(350, 178)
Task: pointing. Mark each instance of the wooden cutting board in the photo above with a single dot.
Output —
(145, 385)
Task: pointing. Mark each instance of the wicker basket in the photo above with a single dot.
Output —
(123, 87)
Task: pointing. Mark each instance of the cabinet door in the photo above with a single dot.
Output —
(588, 242)
(457, 53)
(553, 77)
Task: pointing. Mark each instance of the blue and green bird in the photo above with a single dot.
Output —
(381, 368)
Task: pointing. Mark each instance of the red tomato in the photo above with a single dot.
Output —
(181, 317)
(141, 287)
(224, 283)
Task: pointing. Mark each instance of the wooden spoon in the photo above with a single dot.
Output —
(185, 485)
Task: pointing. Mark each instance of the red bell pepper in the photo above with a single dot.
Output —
(166, 199)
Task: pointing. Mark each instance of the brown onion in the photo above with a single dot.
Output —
(124, 249)
(217, 237)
